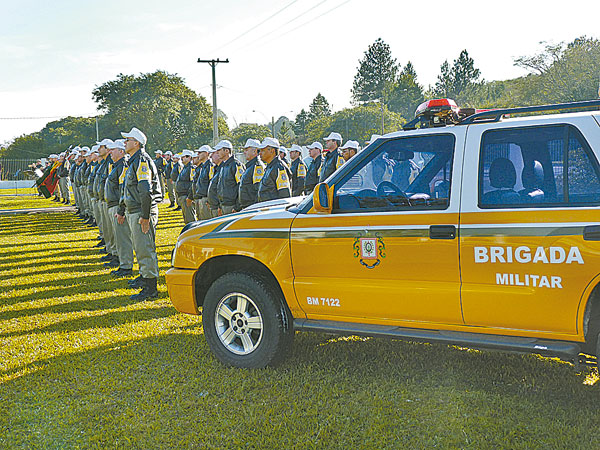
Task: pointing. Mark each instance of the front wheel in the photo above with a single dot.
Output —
(245, 321)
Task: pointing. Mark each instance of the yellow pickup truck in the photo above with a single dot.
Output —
(466, 228)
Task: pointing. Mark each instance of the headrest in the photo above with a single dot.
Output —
(502, 173)
(533, 175)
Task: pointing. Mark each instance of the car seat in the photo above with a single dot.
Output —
(532, 178)
(503, 178)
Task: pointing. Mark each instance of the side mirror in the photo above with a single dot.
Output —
(323, 198)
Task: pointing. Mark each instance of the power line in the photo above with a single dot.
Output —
(307, 22)
(254, 27)
(283, 26)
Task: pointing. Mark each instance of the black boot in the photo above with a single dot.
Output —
(136, 282)
(107, 257)
(148, 292)
(113, 262)
(120, 272)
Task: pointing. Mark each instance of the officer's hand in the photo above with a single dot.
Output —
(145, 223)
(188, 201)
(220, 212)
(120, 219)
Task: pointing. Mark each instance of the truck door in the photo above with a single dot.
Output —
(529, 214)
(389, 250)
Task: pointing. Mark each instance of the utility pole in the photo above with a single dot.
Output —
(97, 137)
(213, 63)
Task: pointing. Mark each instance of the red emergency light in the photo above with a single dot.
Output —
(437, 106)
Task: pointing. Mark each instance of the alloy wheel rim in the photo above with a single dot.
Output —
(238, 323)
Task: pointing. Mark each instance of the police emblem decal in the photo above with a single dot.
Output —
(370, 250)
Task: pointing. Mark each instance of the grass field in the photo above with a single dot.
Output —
(82, 366)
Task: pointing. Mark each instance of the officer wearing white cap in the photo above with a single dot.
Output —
(104, 224)
(276, 181)
(255, 169)
(63, 181)
(141, 195)
(200, 183)
(229, 178)
(160, 164)
(212, 197)
(183, 186)
(175, 170)
(298, 170)
(312, 171)
(90, 174)
(349, 149)
(332, 159)
(112, 194)
(167, 175)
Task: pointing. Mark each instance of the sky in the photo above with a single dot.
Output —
(281, 52)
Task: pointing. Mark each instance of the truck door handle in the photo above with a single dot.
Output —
(442, 232)
(591, 233)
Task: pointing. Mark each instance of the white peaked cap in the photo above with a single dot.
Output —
(333, 137)
(270, 142)
(252, 143)
(135, 134)
(316, 145)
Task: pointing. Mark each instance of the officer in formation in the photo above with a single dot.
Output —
(332, 160)
(160, 164)
(174, 175)
(167, 176)
(275, 182)
(298, 170)
(255, 169)
(183, 185)
(117, 188)
(204, 174)
(312, 172)
(349, 149)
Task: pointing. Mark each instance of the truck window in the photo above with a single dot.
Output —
(406, 173)
(529, 167)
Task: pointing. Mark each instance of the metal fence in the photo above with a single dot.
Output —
(16, 169)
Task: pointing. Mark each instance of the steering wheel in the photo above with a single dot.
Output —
(382, 191)
(384, 188)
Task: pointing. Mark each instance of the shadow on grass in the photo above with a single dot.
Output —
(108, 319)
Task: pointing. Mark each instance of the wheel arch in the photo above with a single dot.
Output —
(591, 316)
(215, 267)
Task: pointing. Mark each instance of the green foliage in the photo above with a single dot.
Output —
(246, 131)
(286, 135)
(318, 108)
(456, 82)
(406, 94)
(376, 73)
(564, 72)
(357, 123)
(160, 104)
(55, 137)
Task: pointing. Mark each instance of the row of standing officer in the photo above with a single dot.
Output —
(210, 181)
(117, 187)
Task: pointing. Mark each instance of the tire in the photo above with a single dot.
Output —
(245, 322)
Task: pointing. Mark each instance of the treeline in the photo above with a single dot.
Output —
(384, 95)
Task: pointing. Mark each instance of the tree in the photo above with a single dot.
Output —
(55, 137)
(286, 135)
(318, 108)
(565, 72)
(406, 94)
(456, 82)
(299, 126)
(357, 123)
(376, 72)
(161, 105)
